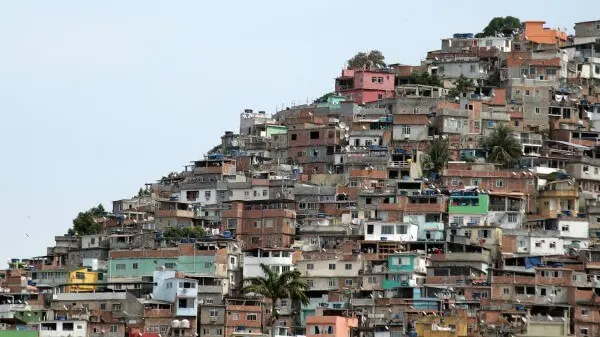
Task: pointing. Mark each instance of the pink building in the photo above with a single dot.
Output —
(329, 326)
(362, 86)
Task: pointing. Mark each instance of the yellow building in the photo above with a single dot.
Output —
(558, 196)
(447, 326)
(82, 280)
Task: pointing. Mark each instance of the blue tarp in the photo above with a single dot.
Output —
(531, 262)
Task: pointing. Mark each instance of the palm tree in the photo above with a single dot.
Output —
(274, 286)
(502, 147)
(438, 155)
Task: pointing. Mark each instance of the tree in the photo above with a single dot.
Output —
(84, 223)
(362, 60)
(461, 84)
(501, 27)
(424, 78)
(177, 233)
(502, 147)
(438, 155)
(274, 286)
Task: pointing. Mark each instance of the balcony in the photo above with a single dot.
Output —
(363, 302)
(423, 204)
(453, 112)
(187, 293)
(399, 164)
(158, 313)
(453, 280)
(496, 115)
(364, 158)
(210, 289)
(529, 280)
(463, 257)
(178, 213)
(319, 159)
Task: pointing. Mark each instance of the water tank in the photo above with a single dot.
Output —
(175, 324)
(184, 323)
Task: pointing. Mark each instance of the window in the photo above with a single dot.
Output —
(459, 220)
(294, 136)
(310, 266)
(251, 317)
(475, 182)
(512, 218)
(332, 266)
(310, 283)
(586, 169)
(353, 183)
(372, 279)
(348, 283)
(564, 228)
(348, 266)
(387, 230)
(332, 282)
(538, 244)
(473, 68)
(401, 229)
(537, 110)
(506, 291)
(102, 306)
(552, 244)
(235, 316)
(207, 194)
(379, 96)
(584, 312)
(583, 330)
(120, 266)
(499, 182)
(169, 285)
(114, 328)
(550, 71)
(170, 265)
(116, 307)
(135, 266)
(67, 326)
(416, 110)
(314, 135)
(80, 276)
(527, 92)
(206, 331)
(406, 129)
(477, 124)
(455, 181)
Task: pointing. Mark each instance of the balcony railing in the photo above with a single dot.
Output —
(399, 164)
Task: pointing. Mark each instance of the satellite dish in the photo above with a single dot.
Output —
(346, 136)
(347, 128)
(342, 125)
(347, 148)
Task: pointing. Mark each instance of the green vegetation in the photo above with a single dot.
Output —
(84, 223)
(461, 84)
(177, 233)
(502, 147)
(424, 78)
(362, 60)
(274, 286)
(501, 27)
(438, 155)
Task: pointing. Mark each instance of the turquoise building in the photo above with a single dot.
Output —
(138, 267)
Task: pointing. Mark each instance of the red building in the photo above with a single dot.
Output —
(262, 224)
(363, 86)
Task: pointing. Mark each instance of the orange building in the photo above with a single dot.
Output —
(536, 32)
(330, 326)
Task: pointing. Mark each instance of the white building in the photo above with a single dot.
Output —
(63, 329)
(390, 231)
(279, 260)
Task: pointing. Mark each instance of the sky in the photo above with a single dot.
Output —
(98, 98)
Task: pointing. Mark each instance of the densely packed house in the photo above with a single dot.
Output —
(391, 237)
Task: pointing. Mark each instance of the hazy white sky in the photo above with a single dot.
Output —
(97, 98)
